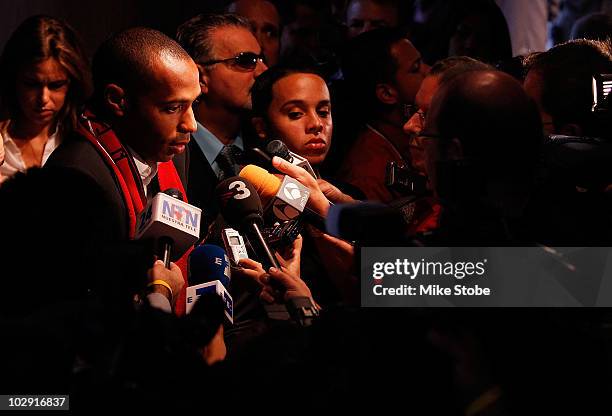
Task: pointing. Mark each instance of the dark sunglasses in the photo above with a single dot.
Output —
(245, 60)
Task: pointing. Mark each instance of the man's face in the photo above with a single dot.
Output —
(158, 123)
(365, 15)
(300, 116)
(265, 20)
(430, 140)
(410, 70)
(415, 124)
(229, 85)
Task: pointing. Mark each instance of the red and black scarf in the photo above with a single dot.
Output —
(120, 161)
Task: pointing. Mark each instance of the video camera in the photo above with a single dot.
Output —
(404, 180)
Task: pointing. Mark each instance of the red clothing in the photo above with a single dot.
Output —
(118, 159)
(365, 167)
(366, 164)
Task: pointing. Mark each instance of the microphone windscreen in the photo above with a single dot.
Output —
(265, 183)
(278, 148)
(208, 262)
(239, 202)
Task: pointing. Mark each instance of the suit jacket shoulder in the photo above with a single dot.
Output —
(79, 155)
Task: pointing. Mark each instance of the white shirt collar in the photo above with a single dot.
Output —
(147, 171)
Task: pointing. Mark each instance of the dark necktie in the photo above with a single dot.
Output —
(229, 159)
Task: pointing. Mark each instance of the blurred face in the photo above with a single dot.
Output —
(41, 91)
(472, 38)
(300, 116)
(265, 20)
(158, 124)
(410, 70)
(415, 124)
(365, 15)
(228, 84)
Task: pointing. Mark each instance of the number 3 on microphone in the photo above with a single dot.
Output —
(240, 190)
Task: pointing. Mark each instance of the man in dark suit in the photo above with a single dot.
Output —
(229, 59)
(140, 119)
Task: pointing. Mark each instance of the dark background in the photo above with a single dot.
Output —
(95, 20)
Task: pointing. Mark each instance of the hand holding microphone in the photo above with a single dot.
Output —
(317, 201)
(168, 282)
(287, 199)
(251, 271)
(292, 285)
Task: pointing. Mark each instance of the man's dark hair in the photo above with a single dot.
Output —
(195, 35)
(367, 61)
(261, 93)
(566, 73)
(449, 68)
(127, 59)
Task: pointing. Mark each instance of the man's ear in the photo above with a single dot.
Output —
(204, 78)
(386, 94)
(115, 100)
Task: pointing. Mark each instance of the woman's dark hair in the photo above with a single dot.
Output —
(36, 39)
(261, 93)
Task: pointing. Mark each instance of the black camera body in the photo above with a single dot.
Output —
(404, 180)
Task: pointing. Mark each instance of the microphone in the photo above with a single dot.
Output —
(209, 272)
(278, 148)
(241, 208)
(285, 200)
(366, 223)
(172, 223)
(209, 262)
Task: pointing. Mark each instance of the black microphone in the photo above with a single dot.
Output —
(278, 148)
(284, 200)
(366, 223)
(241, 208)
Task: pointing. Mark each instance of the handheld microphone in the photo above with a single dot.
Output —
(241, 208)
(366, 223)
(278, 148)
(209, 272)
(172, 223)
(284, 200)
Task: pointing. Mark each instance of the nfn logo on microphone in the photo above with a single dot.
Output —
(177, 213)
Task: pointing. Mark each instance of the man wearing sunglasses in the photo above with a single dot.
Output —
(229, 58)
